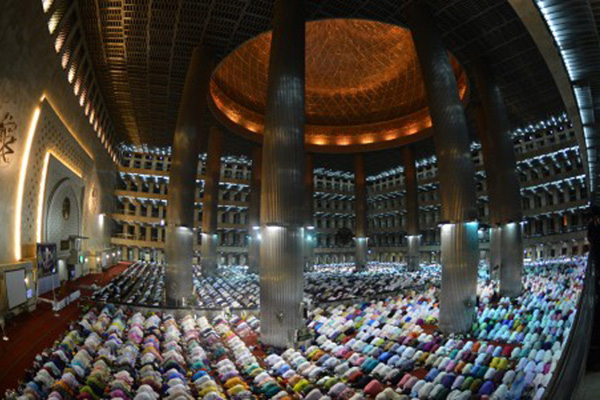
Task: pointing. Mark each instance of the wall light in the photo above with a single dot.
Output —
(71, 74)
(41, 194)
(53, 22)
(22, 175)
(46, 4)
(271, 226)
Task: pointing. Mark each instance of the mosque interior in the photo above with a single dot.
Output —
(299, 199)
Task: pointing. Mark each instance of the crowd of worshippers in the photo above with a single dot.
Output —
(381, 349)
(143, 284)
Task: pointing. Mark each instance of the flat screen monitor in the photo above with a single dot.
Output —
(15, 288)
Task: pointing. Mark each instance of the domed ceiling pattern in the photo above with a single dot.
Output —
(364, 88)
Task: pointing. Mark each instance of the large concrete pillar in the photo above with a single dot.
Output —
(310, 241)
(179, 245)
(459, 242)
(412, 209)
(210, 203)
(502, 182)
(360, 207)
(283, 213)
(254, 214)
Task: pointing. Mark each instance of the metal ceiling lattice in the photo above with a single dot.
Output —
(141, 48)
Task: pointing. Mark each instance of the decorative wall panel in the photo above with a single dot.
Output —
(62, 204)
(51, 135)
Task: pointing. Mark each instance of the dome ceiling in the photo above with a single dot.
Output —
(138, 53)
(364, 89)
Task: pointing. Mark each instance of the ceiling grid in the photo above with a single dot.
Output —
(156, 39)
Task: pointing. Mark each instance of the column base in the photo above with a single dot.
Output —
(281, 285)
(254, 252)
(414, 257)
(511, 270)
(208, 260)
(361, 244)
(495, 252)
(179, 250)
(458, 294)
(309, 250)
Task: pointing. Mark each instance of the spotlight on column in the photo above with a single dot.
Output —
(273, 226)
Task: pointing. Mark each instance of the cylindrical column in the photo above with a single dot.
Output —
(502, 179)
(360, 208)
(254, 215)
(511, 282)
(179, 244)
(456, 174)
(310, 240)
(458, 295)
(283, 213)
(210, 203)
(412, 209)
(309, 184)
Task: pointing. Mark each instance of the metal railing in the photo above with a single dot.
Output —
(572, 364)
